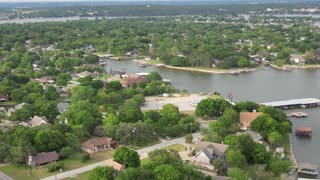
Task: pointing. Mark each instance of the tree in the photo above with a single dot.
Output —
(111, 119)
(49, 140)
(82, 113)
(126, 156)
(63, 79)
(83, 93)
(154, 76)
(260, 154)
(139, 99)
(309, 56)
(135, 173)
(274, 138)
(278, 167)
(92, 59)
(243, 62)
(236, 159)
(162, 156)
(211, 107)
(166, 172)
(102, 173)
(246, 106)
(220, 166)
(130, 112)
(188, 138)
(237, 174)
(51, 93)
(65, 152)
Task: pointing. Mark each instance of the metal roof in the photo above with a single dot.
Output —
(303, 101)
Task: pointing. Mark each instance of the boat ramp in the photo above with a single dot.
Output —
(294, 103)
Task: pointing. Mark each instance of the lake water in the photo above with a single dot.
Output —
(260, 86)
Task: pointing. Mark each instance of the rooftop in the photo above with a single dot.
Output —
(303, 101)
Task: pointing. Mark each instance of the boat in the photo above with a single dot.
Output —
(265, 68)
(143, 65)
(307, 169)
(297, 114)
(235, 72)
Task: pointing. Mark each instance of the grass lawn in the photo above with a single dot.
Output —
(176, 147)
(21, 172)
(81, 176)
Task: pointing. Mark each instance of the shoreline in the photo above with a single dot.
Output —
(291, 67)
(213, 71)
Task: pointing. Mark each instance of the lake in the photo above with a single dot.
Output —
(260, 86)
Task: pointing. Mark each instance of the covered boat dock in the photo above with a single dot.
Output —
(294, 103)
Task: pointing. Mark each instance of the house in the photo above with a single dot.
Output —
(134, 79)
(207, 152)
(255, 136)
(116, 166)
(16, 107)
(62, 107)
(84, 74)
(99, 144)
(46, 79)
(246, 118)
(297, 59)
(4, 97)
(43, 158)
(37, 121)
(147, 58)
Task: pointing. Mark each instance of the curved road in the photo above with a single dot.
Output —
(141, 152)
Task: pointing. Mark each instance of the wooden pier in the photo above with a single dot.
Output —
(294, 103)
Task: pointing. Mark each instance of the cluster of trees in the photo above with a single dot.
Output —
(143, 129)
(163, 165)
(20, 141)
(100, 9)
(215, 45)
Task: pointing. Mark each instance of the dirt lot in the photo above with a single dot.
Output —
(182, 102)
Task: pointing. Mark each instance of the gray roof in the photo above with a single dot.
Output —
(208, 148)
(255, 136)
(62, 106)
(37, 120)
(303, 101)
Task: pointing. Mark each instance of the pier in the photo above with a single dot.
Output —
(294, 103)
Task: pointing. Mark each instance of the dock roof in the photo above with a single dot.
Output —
(291, 102)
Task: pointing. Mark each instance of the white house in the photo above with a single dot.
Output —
(206, 152)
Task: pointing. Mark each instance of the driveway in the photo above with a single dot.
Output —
(142, 152)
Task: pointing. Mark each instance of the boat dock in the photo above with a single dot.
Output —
(304, 131)
(294, 103)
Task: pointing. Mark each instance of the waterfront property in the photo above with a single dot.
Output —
(304, 131)
(294, 103)
(246, 118)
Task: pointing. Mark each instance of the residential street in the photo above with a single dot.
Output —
(142, 152)
(4, 177)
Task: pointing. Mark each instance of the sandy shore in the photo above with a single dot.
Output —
(213, 70)
(289, 67)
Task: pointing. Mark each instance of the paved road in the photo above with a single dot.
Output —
(142, 152)
(4, 177)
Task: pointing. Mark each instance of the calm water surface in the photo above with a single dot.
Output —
(260, 86)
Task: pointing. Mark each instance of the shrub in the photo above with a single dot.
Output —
(85, 157)
(55, 166)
